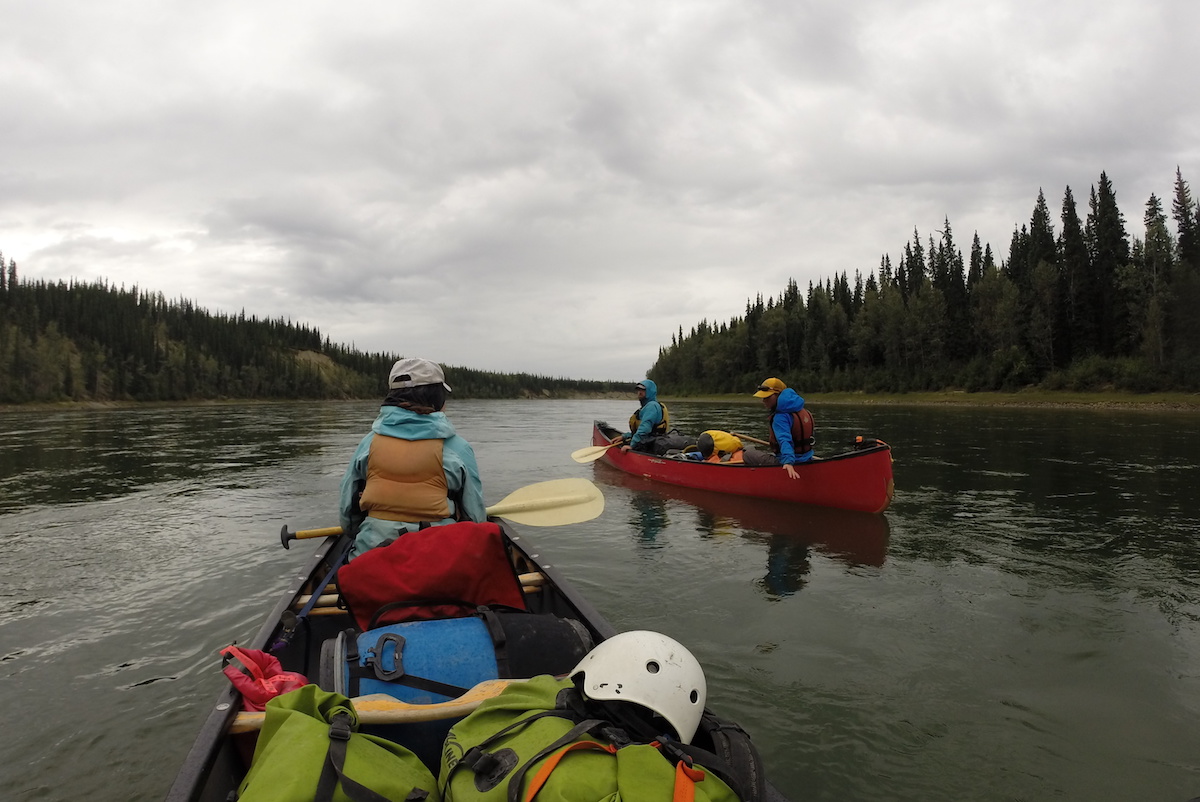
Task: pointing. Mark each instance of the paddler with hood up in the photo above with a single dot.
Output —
(791, 427)
(649, 422)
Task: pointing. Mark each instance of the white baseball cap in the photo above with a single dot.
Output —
(414, 372)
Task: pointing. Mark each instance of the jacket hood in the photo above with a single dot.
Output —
(789, 401)
(409, 425)
(651, 390)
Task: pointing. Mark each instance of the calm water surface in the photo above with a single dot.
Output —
(1022, 624)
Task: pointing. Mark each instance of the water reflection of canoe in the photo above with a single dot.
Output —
(856, 480)
(857, 538)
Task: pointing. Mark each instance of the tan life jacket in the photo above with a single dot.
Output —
(405, 481)
(660, 428)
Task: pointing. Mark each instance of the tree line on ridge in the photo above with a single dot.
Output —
(73, 341)
(1086, 308)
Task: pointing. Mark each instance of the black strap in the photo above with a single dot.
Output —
(499, 640)
(734, 758)
(480, 761)
(570, 736)
(432, 685)
(372, 667)
(333, 772)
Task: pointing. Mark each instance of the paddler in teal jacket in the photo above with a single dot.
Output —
(412, 470)
(649, 421)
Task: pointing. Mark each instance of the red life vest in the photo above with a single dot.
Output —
(802, 431)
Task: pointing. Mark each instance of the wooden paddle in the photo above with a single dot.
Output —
(379, 708)
(593, 453)
(554, 503)
(751, 439)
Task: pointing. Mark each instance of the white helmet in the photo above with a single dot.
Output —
(650, 670)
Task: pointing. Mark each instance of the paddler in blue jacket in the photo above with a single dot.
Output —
(791, 426)
(412, 470)
(649, 421)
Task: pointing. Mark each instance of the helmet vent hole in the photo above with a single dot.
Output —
(694, 696)
(652, 667)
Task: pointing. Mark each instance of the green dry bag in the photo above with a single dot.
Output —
(309, 750)
(517, 747)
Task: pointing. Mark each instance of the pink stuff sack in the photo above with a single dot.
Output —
(258, 676)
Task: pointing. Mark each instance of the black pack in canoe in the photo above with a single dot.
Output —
(311, 628)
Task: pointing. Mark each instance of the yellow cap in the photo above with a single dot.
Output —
(770, 387)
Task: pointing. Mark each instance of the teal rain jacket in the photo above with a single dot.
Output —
(458, 463)
(650, 415)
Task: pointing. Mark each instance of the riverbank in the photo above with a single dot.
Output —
(1180, 402)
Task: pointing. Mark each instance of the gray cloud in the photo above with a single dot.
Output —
(559, 187)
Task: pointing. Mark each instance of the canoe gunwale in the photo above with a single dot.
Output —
(202, 757)
(195, 777)
(213, 767)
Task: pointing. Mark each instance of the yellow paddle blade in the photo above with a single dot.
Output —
(592, 453)
(553, 503)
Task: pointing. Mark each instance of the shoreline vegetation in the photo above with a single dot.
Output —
(1031, 398)
(1088, 318)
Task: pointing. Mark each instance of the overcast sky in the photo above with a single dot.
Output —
(556, 187)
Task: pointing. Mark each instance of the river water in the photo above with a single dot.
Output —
(1022, 624)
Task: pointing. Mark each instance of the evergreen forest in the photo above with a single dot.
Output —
(70, 341)
(1079, 304)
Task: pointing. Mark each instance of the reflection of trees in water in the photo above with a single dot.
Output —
(83, 454)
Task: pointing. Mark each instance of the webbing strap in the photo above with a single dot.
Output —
(372, 668)
(543, 773)
(518, 777)
(333, 772)
(248, 666)
(686, 778)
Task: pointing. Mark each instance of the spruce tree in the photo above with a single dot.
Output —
(1041, 245)
(1078, 326)
(975, 272)
(1108, 250)
(1183, 209)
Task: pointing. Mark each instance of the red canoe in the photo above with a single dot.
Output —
(856, 480)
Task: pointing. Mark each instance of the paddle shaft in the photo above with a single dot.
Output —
(751, 439)
(570, 495)
(593, 453)
(499, 510)
(380, 709)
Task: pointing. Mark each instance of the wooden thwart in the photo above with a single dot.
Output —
(530, 583)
